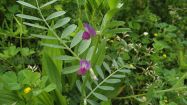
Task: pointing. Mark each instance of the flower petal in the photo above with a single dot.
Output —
(89, 29)
(84, 67)
(86, 36)
(82, 71)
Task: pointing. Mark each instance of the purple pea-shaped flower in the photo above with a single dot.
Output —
(84, 67)
(89, 32)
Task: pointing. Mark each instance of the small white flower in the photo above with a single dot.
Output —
(33, 68)
(145, 33)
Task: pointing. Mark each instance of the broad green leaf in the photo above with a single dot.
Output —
(55, 14)
(61, 22)
(108, 16)
(35, 25)
(8, 97)
(90, 53)
(26, 51)
(125, 70)
(66, 57)
(48, 3)
(118, 76)
(50, 87)
(106, 66)
(26, 4)
(9, 52)
(159, 45)
(100, 55)
(28, 77)
(67, 31)
(51, 71)
(57, 69)
(44, 36)
(76, 39)
(84, 46)
(78, 83)
(52, 45)
(11, 80)
(106, 87)
(99, 71)
(113, 81)
(100, 96)
(70, 69)
(28, 17)
(113, 3)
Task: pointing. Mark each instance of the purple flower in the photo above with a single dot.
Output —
(89, 32)
(84, 67)
(86, 35)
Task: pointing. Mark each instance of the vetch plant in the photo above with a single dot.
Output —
(82, 49)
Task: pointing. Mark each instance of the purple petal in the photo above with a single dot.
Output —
(89, 29)
(82, 71)
(84, 67)
(86, 36)
(85, 64)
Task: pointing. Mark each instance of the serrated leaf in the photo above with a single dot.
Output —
(43, 36)
(67, 31)
(99, 71)
(55, 14)
(8, 97)
(61, 22)
(35, 25)
(76, 39)
(84, 46)
(28, 17)
(90, 53)
(52, 45)
(106, 66)
(48, 3)
(66, 57)
(106, 87)
(79, 84)
(12, 83)
(100, 96)
(70, 69)
(113, 81)
(26, 4)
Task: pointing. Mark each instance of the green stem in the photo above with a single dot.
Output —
(102, 83)
(160, 91)
(54, 33)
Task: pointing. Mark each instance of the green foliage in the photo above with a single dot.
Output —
(137, 57)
